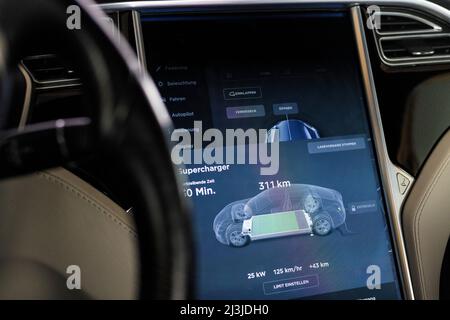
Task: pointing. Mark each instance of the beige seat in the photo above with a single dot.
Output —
(426, 221)
(426, 119)
(51, 220)
(426, 214)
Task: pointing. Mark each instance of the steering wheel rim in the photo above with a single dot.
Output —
(130, 126)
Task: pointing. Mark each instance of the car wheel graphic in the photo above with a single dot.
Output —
(235, 236)
(239, 213)
(322, 226)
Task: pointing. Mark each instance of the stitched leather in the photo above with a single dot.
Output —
(52, 220)
(92, 201)
(426, 221)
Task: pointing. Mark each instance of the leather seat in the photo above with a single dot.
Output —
(426, 119)
(52, 220)
(426, 221)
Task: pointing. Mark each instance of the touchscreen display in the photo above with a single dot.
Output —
(316, 226)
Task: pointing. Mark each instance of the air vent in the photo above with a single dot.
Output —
(406, 38)
(416, 47)
(404, 23)
(49, 69)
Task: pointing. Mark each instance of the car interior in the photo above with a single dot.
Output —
(354, 96)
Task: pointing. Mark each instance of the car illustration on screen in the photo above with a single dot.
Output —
(278, 212)
(292, 129)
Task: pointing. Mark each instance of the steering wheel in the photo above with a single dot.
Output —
(128, 125)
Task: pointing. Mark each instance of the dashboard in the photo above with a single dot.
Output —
(331, 88)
